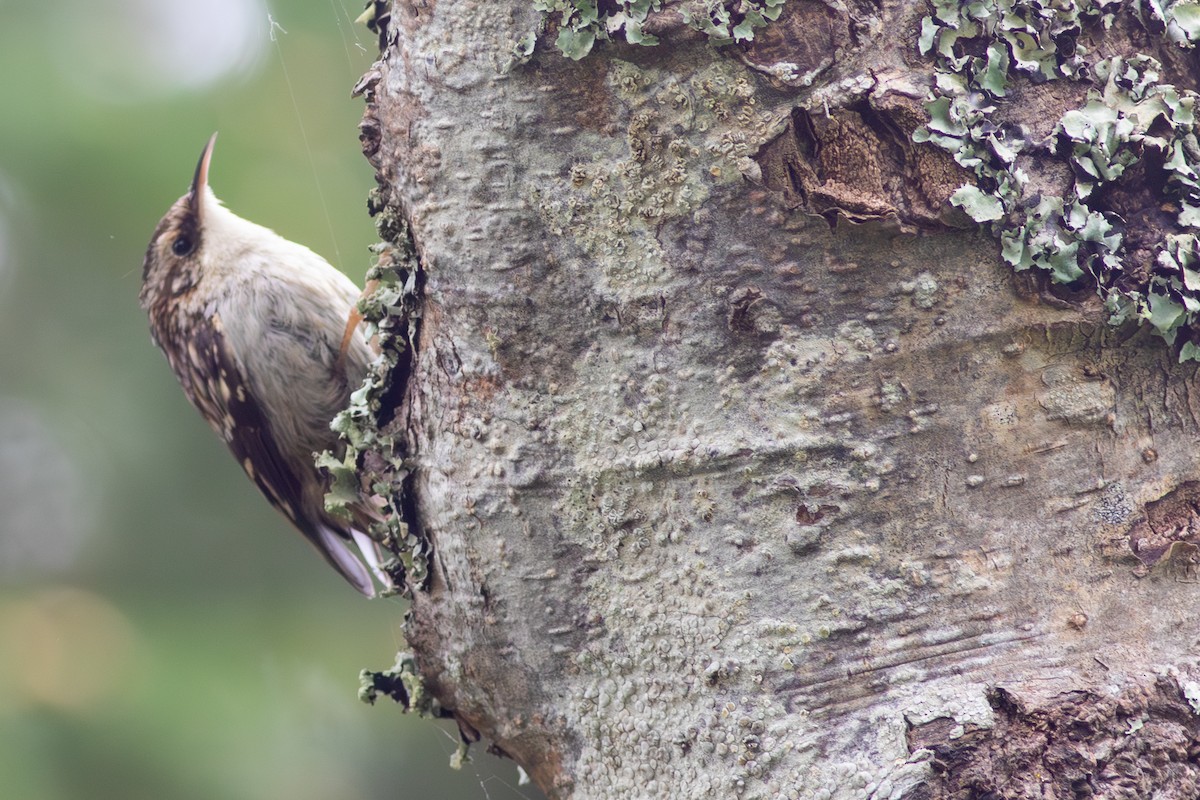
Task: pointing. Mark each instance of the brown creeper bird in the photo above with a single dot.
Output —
(259, 332)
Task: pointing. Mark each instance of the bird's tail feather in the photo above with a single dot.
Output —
(336, 550)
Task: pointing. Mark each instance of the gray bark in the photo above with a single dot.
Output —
(724, 500)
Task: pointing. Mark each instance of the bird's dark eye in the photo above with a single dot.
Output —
(182, 245)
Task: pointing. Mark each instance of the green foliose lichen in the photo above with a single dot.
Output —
(584, 22)
(390, 311)
(402, 683)
(982, 50)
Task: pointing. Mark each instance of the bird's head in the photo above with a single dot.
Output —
(175, 257)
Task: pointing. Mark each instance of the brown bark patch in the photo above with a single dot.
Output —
(535, 740)
(582, 97)
(413, 14)
(811, 513)
(1143, 742)
(1170, 528)
(861, 163)
(1137, 198)
(805, 37)
(752, 314)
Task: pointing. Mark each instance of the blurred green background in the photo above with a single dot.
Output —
(163, 632)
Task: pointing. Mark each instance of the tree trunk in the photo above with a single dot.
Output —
(732, 459)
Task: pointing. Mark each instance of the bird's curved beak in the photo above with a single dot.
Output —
(200, 181)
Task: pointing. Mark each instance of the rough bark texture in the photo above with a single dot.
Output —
(746, 473)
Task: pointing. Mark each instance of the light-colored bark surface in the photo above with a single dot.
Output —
(725, 501)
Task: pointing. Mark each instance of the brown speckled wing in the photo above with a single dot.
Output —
(214, 384)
